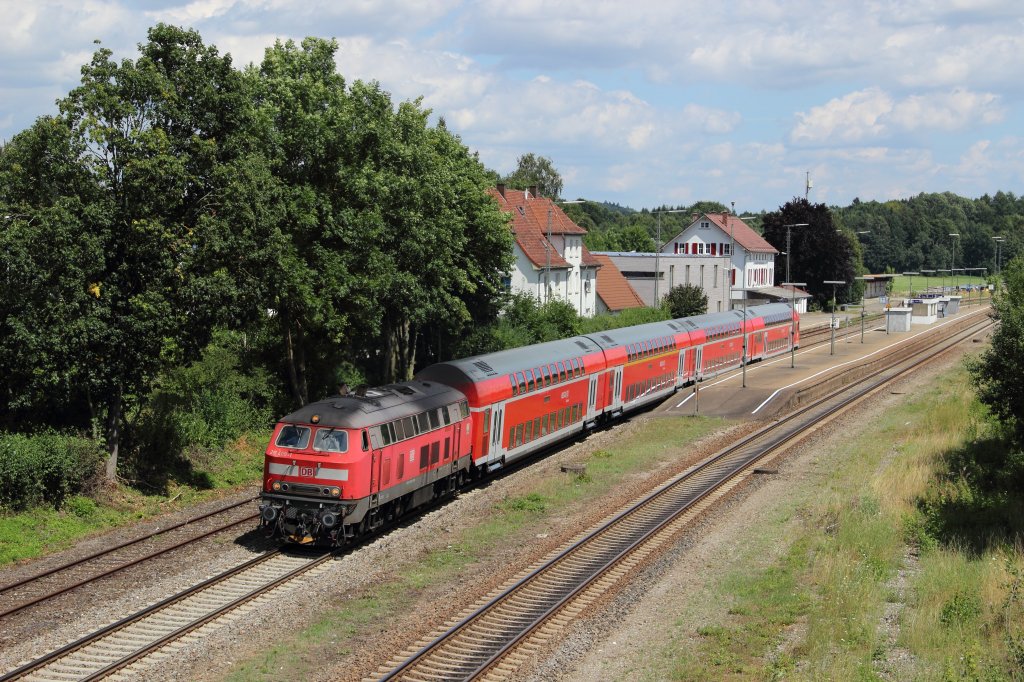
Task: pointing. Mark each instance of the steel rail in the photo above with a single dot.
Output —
(53, 656)
(128, 543)
(128, 564)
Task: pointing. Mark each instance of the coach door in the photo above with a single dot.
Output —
(682, 365)
(496, 427)
(698, 362)
(616, 385)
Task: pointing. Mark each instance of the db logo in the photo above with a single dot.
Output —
(306, 471)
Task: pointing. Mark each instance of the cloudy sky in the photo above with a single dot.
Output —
(642, 103)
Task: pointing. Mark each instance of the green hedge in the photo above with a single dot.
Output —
(45, 467)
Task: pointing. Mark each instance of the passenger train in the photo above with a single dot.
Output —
(341, 467)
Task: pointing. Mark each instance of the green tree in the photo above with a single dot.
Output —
(819, 251)
(686, 300)
(139, 144)
(997, 371)
(536, 170)
(387, 232)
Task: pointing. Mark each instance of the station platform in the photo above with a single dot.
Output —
(770, 384)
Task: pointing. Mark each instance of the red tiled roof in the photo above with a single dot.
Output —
(589, 260)
(613, 288)
(741, 232)
(530, 215)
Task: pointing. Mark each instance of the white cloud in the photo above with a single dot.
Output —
(872, 113)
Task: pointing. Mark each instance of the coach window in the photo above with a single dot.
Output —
(521, 378)
(561, 371)
(529, 380)
(515, 387)
(519, 435)
(575, 367)
(547, 375)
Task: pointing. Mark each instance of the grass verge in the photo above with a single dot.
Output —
(42, 529)
(858, 588)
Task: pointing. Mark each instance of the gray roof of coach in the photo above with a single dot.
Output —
(379, 404)
(490, 365)
(613, 338)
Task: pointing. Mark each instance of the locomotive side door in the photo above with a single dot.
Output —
(375, 459)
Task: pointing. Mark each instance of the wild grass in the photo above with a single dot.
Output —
(43, 529)
(961, 604)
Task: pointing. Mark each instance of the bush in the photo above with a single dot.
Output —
(45, 468)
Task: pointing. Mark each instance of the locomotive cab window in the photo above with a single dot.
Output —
(331, 440)
(291, 436)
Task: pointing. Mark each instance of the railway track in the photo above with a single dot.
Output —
(41, 587)
(124, 643)
(491, 640)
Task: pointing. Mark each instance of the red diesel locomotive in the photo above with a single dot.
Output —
(343, 466)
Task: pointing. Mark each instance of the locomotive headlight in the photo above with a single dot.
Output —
(275, 486)
(335, 491)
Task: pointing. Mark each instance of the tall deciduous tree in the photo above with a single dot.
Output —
(819, 252)
(385, 225)
(997, 372)
(141, 142)
(536, 170)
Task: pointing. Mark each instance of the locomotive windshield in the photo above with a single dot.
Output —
(293, 437)
(331, 440)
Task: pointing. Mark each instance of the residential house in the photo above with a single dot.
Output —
(614, 294)
(551, 261)
(748, 259)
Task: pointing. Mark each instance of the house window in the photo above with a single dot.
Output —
(726, 249)
(704, 225)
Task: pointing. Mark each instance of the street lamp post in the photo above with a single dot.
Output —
(550, 245)
(789, 250)
(952, 257)
(943, 271)
(863, 302)
(998, 243)
(927, 274)
(792, 326)
(657, 253)
(834, 283)
(910, 285)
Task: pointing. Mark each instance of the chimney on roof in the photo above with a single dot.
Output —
(533, 191)
(694, 216)
(501, 189)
